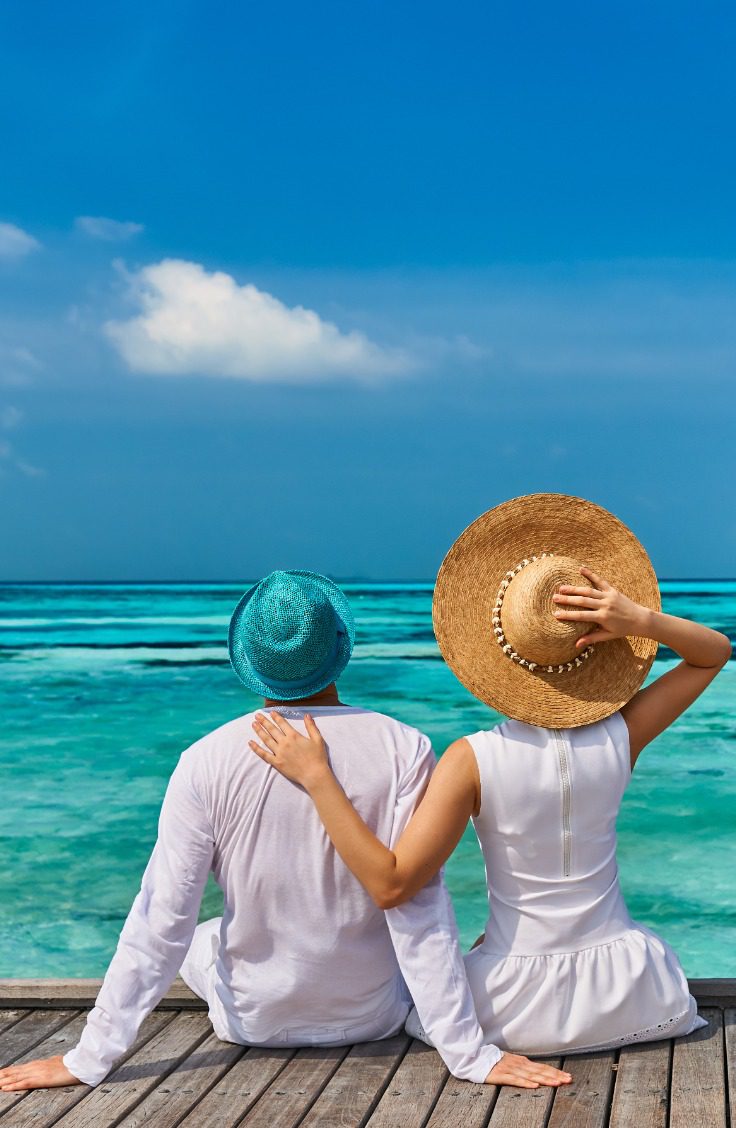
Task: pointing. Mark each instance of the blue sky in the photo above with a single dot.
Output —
(313, 286)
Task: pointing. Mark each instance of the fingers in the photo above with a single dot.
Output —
(282, 724)
(259, 751)
(513, 1069)
(267, 733)
(593, 602)
(311, 727)
(600, 583)
(44, 1073)
(269, 725)
(550, 1075)
(568, 589)
(594, 636)
(20, 1077)
(581, 616)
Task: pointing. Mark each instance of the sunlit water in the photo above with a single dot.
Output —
(101, 687)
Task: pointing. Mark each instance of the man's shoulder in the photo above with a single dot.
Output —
(219, 741)
(400, 729)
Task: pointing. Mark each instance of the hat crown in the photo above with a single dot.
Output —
(289, 628)
(527, 614)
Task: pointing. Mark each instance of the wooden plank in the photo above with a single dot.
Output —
(585, 1103)
(698, 1092)
(9, 1018)
(713, 988)
(130, 1082)
(641, 1093)
(81, 993)
(296, 1088)
(235, 1094)
(29, 1031)
(463, 1105)
(43, 1107)
(413, 1091)
(351, 1094)
(729, 1023)
(177, 1093)
(524, 1108)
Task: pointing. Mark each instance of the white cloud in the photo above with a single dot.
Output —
(109, 230)
(193, 322)
(15, 242)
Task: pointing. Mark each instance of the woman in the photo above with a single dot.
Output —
(562, 651)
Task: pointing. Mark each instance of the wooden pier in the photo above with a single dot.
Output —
(179, 1073)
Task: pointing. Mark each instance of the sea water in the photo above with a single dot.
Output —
(103, 685)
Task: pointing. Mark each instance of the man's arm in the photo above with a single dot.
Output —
(425, 938)
(156, 936)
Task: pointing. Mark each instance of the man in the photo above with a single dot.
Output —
(301, 955)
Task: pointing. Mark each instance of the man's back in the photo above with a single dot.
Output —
(302, 946)
(301, 954)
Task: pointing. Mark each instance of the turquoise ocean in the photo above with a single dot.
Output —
(103, 685)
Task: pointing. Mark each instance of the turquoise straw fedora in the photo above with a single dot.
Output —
(291, 635)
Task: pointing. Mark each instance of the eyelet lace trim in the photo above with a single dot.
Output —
(648, 1034)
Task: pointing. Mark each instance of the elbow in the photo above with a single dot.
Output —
(723, 653)
(726, 650)
(391, 897)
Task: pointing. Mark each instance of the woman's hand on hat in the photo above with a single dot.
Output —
(610, 613)
(302, 759)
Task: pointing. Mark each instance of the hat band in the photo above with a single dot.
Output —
(310, 679)
(508, 648)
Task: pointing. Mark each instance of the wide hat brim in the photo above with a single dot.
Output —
(249, 677)
(466, 591)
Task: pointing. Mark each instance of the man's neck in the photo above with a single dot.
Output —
(326, 696)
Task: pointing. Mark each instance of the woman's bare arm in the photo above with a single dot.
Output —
(704, 653)
(390, 876)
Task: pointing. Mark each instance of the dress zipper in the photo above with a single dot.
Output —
(566, 802)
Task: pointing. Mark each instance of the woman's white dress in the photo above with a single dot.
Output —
(563, 967)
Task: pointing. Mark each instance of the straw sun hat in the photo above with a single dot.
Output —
(493, 610)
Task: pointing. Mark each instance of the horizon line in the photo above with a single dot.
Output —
(339, 579)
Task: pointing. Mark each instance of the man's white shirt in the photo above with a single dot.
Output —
(305, 956)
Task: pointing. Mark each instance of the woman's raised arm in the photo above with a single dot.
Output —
(390, 876)
(612, 615)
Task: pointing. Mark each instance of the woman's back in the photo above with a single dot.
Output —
(547, 828)
(562, 967)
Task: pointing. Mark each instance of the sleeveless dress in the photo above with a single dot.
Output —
(563, 968)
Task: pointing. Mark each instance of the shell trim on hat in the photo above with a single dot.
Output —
(508, 649)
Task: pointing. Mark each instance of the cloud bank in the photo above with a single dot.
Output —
(109, 230)
(15, 242)
(193, 322)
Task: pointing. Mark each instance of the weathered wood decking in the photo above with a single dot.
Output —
(179, 1073)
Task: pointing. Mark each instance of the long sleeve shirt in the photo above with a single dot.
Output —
(304, 954)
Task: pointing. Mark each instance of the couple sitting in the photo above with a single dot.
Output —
(326, 825)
